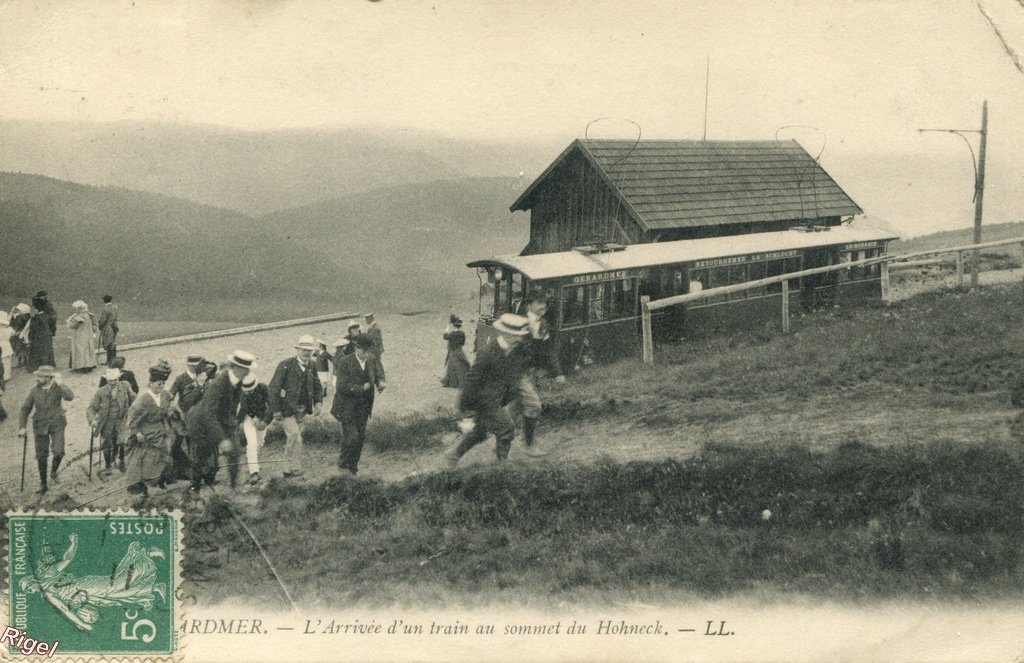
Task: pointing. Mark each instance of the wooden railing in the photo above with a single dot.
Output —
(647, 305)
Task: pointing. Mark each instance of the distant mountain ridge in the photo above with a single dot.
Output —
(391, 249)
(254, 172)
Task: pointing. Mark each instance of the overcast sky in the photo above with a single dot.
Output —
(865, 73)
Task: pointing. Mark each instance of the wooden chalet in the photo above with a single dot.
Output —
(629, 192)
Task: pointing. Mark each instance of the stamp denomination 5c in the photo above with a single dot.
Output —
(94, 583)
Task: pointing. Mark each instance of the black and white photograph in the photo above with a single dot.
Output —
(402, 330)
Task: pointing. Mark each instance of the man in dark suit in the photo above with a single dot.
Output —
(492, 384)
(295, 391)
(353, 402)
(212, 424)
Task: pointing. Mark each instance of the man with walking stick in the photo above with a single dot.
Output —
(48, 422)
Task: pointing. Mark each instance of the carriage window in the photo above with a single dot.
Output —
(758, 271)
(597, 305)
(678, 286)
(572, 306)
(718, 277)
(516, 291)
(622, 299)
(738, 274)
(698, 280)
(793, 265)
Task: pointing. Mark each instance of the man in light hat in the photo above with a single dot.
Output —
(295, 391)
(540, 353)
(254, 414)
(106, 415)
(49, 420)
(212, 424)
(492, 383)
(353, 402)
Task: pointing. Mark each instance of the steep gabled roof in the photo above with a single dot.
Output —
(685, 183)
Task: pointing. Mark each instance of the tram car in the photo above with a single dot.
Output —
(594, 291)
(612, 221)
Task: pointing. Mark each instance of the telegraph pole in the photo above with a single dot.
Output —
(979, 180)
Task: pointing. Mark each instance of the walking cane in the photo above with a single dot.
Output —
(24, 452)
(92, 436)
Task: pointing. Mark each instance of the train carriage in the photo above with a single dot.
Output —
(595, 290)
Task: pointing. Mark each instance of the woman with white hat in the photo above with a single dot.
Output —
(83, 338)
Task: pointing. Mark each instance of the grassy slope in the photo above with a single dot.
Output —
(879, 440)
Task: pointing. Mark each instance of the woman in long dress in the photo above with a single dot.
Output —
(83, 338)
(6, 350)
(133, 583)
(149, 432)
(18, 320)
(38, 338)
(455, 362)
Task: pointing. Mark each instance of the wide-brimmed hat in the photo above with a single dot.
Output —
(363, 341)
(160, 371)
(353, 324)
(511, 324)
(242, 359)
(341, 342)
(112, 374)
(22, 308)
(249, 382)
(45, 371)
(306, 342)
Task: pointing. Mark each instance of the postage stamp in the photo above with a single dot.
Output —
(93, 583)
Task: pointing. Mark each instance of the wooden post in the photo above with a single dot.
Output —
(648, 334)
(785, 306)
(959, 269)
(885, 281)
(979, 194)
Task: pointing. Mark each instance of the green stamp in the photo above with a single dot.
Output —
(100, 583)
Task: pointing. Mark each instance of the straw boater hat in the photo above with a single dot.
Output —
(306, 342)
(45, 371)
(112, 374)
(192, 360)
(242, 359)
(513, 325)
(249, 382)
(353, 324)
(368, 317)
(341, 342)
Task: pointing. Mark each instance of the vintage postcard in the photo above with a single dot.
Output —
(488, 331)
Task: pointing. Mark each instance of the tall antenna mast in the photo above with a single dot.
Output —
(707, 78)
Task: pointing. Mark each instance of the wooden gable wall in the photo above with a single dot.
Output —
(574, 206)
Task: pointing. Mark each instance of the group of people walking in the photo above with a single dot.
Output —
(164, 431)
(27, 334)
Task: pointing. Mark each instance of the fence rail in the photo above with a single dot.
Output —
(886, 261)
(234, 331)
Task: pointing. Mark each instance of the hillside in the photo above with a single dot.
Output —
(962, 237)
(254, 172)
(415, 240)
(149, 250)
(400, 248)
